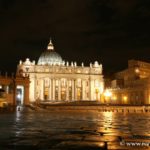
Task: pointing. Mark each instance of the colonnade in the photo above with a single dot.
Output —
(64, 89)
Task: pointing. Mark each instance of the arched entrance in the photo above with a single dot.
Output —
(19, 95)
(63, 93)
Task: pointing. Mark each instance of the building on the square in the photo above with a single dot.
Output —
(53, 79)
(132, 85)
(14, 90)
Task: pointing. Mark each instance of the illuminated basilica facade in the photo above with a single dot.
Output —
(53, 79)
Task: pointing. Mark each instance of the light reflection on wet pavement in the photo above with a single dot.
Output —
(72, 130)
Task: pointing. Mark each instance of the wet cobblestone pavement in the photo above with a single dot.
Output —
(74, 130)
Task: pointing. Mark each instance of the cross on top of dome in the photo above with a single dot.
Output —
(50, 45)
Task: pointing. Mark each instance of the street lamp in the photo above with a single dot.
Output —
(107, 95)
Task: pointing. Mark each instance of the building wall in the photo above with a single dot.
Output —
(10, 87)
(135, 86)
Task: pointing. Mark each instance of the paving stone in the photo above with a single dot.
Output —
(82, 145)
(74, 130)
(75, 137)
(101, 138)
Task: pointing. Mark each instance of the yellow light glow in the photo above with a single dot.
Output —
(125, 98)
(114, 97)
(137, 70)
(149, 100)
(107, 93)
(97, 90)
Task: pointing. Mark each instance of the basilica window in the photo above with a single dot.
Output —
(63, 93)
(79, 93)
(46, 93)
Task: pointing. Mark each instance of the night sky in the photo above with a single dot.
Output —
(109, 31)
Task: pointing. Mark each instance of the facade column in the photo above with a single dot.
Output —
(32, 88)
(83, 89)
(93, 95)
(35, 88)
(72, 84)
(50, 89)
(67, 90)
(59, 90)
(75, 89)
(92, 92)
(41, 89)
(90, 97)
(53, 89)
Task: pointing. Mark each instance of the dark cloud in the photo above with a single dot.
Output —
(110, 31)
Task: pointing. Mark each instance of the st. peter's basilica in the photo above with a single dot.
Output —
(54, 79)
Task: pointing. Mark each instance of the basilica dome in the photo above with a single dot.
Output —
(50, 57)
